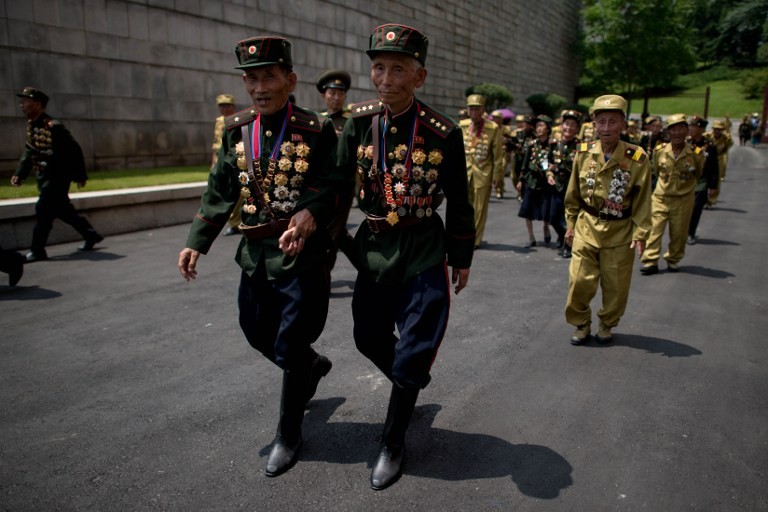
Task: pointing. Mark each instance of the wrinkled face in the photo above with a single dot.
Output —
(475, 113)
(717, 132)
(569, 129)
(334, 99)
(269, 87)
(695, 131)
(655, 127)
(677, 133)
(542, 130)
(609, 125)
(396, 76)
(31, 108)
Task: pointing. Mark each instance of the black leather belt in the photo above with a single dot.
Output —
(271, 228)
(625, 214)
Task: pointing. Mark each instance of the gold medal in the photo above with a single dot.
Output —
(392, 218)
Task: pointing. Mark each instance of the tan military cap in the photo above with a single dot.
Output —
(676, 119)
(609, 102)
(475, 100)
(718, 125)
(519, 118)
(225, 99)
(651, 119)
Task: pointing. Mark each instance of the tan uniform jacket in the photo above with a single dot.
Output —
(677, 177)
(218, 131)
(626, 176)
(484, 153)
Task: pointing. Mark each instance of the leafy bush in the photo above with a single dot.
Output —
(496, 96)
(547, 104)
(753, 83)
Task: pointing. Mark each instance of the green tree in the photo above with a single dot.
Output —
(546, 104)
(741, 31)
(496, 96)
(628, 46)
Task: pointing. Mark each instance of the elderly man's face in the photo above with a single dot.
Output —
(570, 128)
(695, 131)
(269, 87)
(31, 108)
(609, 125)
(396, 76)
(677, 133)
(475, 113)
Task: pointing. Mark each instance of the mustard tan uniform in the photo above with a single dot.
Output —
(485, 160)
(607, 205)
(723, 143)
(673, 200)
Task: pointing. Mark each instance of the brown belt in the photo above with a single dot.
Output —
(625, 214)
(380, 224)
(272, 228)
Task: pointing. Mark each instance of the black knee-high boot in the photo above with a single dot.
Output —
(288, 440)
(389, 465)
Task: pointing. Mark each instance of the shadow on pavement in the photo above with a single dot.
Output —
(705, 272)
(712, 241)
(504, 247)
(21, 292)
(652, 345)
(442, 454)
(94, 255)
(721, 209)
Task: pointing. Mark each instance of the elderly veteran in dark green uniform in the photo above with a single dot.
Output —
(562, 152)
(410, 157)
(608, 215)
(678, 165)
(55, 157)
(707, 183)
(277, 156)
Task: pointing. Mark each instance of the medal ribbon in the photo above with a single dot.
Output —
(408, 159)
(257, 135)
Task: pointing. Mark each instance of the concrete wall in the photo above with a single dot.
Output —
(135, 80)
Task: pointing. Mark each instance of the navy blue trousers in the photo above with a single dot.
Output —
(699, 202)
(418, 309)
(282, 318)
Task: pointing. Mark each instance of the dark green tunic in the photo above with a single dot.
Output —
(291, 189)
(424, 151)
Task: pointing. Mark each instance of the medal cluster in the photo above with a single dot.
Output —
(405, 191)
(281, 184)
(619, 185)
(41, 139)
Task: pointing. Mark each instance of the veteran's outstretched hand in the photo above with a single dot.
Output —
(187, 263)
(301, 227)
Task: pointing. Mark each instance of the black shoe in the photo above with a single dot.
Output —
(567, 252)
(18, 269)
(388, 468)
(649, 270)
(673, 267)
(231, 231)
(320, 368)
(560, 243)
(581, 335)
(530, 243)
(36, 256)
(90, 242)
(691, 240)
(282, 457)
(547, 239)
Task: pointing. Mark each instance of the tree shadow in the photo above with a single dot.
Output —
(20, 292)
(651, 345)
(442, 454)
(505, 247)
(722, 209)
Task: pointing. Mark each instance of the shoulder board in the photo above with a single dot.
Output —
(50, 123)
(585, 146)
(635, 153)
(367, 108)
(696, 149)
(306, 120)
(437, 122)
(240, 118)
(465, 122)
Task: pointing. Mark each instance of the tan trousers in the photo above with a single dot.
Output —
(479, 198)
(611, 268)
(675, 211)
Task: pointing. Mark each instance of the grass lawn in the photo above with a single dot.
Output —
(117, 179)
(725, 98)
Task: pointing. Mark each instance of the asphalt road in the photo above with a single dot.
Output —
(125, 388)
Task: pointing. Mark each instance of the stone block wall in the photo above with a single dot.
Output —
(135, 80)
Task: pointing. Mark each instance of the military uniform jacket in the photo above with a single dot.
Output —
(303, 177)
(218, 131)
(52, 154)
(423, 153)
(561, 154)
(711, 176)
(338, 118)
(723, 144)
(484, 152)
(677, 176)
(608, 204)
(536, 163)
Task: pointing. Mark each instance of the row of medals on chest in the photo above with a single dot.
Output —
(293, 156)
(619, 185)
(42, 140)
(404, 189)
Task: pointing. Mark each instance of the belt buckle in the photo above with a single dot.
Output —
(372, 225)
